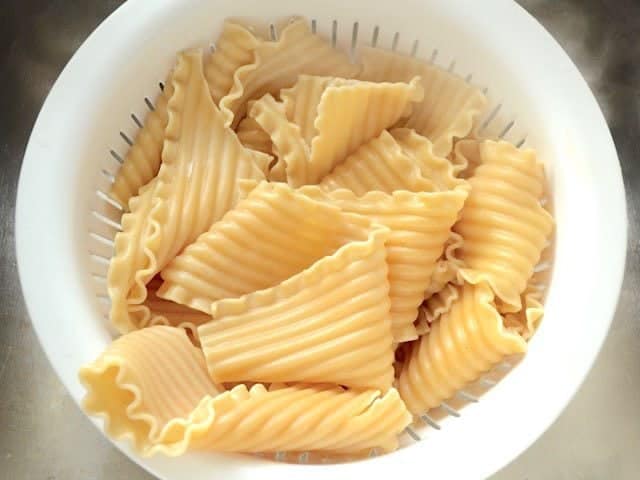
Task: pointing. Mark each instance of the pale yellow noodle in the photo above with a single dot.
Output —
(435, 306)
(466, 342)
(145, 381)
(165, 312)
(252, 136)
(234, 48)
(309, 418)
(142, 161)
(503, 224)
(288, 145)
(400, 160)
(330, 323)
(420, 225)
(196, 186)
(349, 113)
(466, 157)
(278, 64)
(450, 106)
(271, 235)
(448, 266)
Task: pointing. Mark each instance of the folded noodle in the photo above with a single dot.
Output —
(400, 160)
(327, 324)
(503, 224)
(277, 65)
(145, 382)
(419, 224)
(196, 185)
(287, 143)
(347, 114)
(467, 341)
(271, 235)
(234, 48)
(252, 136)
(450, 105)
(466, 157)
(435, 306)
(142, 161)
(527, 320)
(448, 266)
(165, 312)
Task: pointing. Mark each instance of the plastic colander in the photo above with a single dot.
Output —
(65, 224)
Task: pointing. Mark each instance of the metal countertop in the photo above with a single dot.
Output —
(43, 435)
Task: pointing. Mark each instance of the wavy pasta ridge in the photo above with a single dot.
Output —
(372, 107)
(503, 224)
(450, 106)
(253, 136)
(294, 419)
(285, 136)
(420, 224)
(466, 342)
(297, 51)
(235, 48)
(135, 370)
(142, 161)
(329, 323)
(223, 264)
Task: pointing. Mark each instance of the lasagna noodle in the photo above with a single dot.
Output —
(503, 224)
(348, 114)
(277, 65)
(528, 319)
(165, 312)
(327, 324)
(288, 145)
(196, 185)
(145, 382)
(400, 160)
(450, 105)
(466, 157)
(142, 161)
(448, 266)
(301, 418)
(435, 306)
(252, 136)
(419, 225)
(467, 341)
(270, 236)
(234, 48)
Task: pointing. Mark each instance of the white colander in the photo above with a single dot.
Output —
(65, 223)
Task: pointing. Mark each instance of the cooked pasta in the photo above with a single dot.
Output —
(372, 108)
(294, 232)
(164, 312)
(301, 418)
(288, 145)
(277, 65)
(252, 136)
(195, 186)
(142, 161)
(420, 225)
(466, 342)
(327, 324)
(234, 48)
(144, 382)
(400, 160)
(450, 106)
(503, 224)
(301, 235)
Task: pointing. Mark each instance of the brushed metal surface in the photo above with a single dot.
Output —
(43, 435)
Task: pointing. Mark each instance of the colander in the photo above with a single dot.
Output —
(66, 223)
